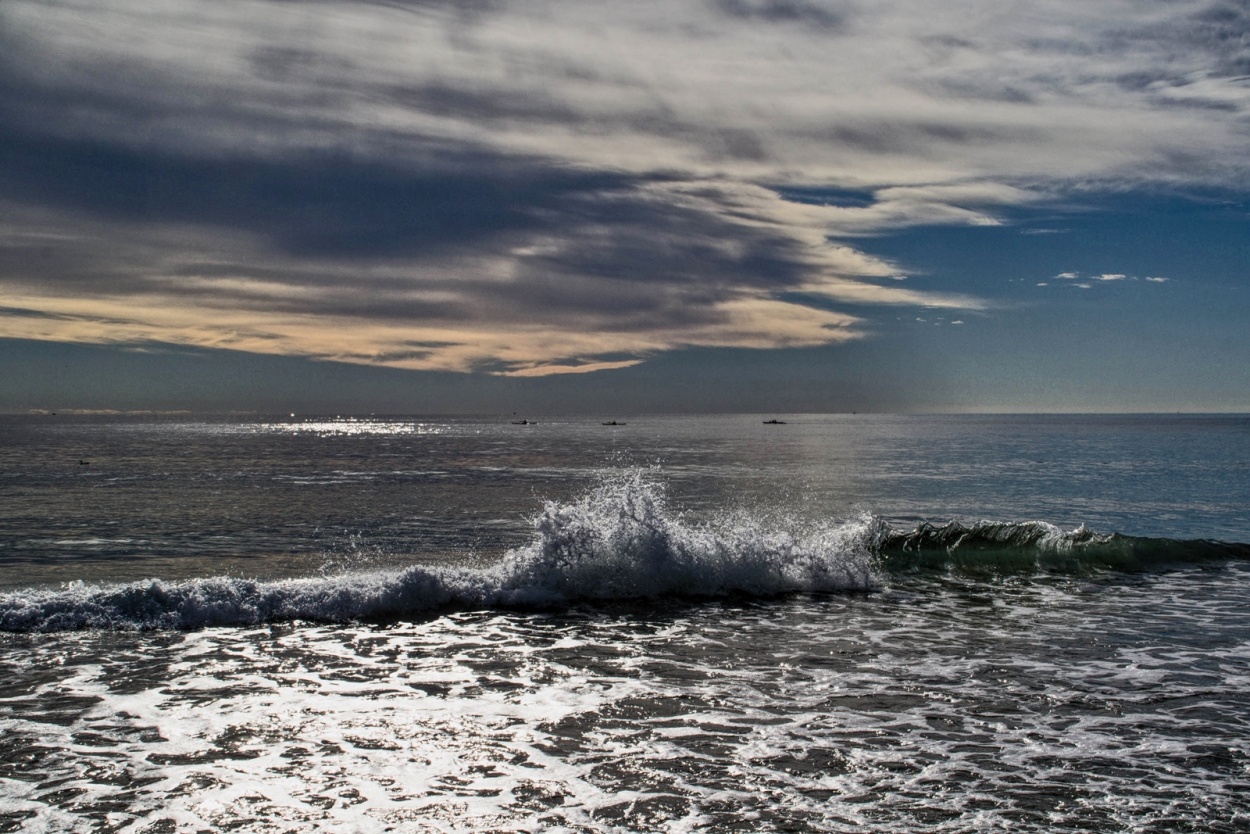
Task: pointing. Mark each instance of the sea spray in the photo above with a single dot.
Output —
(621, 540)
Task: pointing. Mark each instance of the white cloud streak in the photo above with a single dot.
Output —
(1104, 277)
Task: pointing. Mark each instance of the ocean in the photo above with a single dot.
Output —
(363, 623)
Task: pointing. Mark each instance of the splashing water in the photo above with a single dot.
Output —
(622, 541)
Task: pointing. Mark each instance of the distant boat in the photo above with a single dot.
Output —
(774, 422)
(613, 423)
(523, 423)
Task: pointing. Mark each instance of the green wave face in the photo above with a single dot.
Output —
(1022, 547)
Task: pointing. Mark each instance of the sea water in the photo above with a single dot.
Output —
(835, 623)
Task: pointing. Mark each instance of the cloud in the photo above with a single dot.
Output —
(519, 189)
(909, 99)
(628, 270)
(821, 16)
(1103, 277)
(309, 203)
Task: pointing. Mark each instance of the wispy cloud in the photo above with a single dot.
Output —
(498, 186)
(1102, 277)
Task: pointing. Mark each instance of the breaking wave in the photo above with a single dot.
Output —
(619, 541)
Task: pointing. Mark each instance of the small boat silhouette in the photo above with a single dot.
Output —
(774, 422)
(523, 423)
(613, 423)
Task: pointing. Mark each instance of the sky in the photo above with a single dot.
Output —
(679, 206)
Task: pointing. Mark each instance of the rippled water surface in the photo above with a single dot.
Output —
(377, 625)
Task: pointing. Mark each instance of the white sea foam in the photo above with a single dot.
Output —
(619, 541)
(834, 714)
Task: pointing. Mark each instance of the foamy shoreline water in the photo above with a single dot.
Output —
(826, 713)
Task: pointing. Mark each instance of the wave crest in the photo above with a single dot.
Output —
(1035, 545)
(622, 541)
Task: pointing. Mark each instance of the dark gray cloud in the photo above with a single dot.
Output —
(827, 16)
(1212, 40)
(283, 62)
(462, 10)
(27, 313)
(1223, 30)
(922, 138)
(443, 99)
(610, 254)
(469, 9)
(312, 204)
(306, 218)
